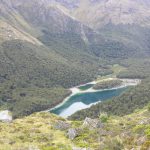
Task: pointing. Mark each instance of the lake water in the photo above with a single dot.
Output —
(85, 100)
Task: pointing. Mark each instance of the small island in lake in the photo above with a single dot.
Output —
(107, 84)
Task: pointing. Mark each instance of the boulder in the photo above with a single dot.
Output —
(72, 133)
(5, 116)
(92, 123)
(62, 125)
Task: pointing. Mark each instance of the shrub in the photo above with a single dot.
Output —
(103, 117)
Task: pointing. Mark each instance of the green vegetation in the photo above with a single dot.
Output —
(137, 68)
(38, 131)
(107, 84)
(116, 68)
(85, 87)
(44, 51)
(132, 99)
(34, 81)
(35, 131)
(103, 117)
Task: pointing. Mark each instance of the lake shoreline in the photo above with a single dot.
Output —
(75, 90)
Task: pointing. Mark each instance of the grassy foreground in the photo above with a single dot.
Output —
(38, 132)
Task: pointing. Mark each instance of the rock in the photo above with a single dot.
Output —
(145, 121)
(72, 133)
(5, 116)
(62, 125)
(92, 123)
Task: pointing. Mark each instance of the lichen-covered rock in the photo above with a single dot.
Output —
(92, 123)
(72, 133)
(62, 125)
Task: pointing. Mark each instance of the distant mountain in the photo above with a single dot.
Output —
(97, 13)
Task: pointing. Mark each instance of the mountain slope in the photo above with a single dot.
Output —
(28, 67)
(45, 131)
(97, 13)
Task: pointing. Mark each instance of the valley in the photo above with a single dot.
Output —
(86, 61)
(81, 99)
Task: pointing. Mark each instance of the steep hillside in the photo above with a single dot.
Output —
(53, 24)
(44, 131)
(126, 22)
(28, 68)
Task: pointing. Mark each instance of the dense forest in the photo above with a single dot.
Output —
(137, 68)
(107, 84)
(132, 99)
(33, 81)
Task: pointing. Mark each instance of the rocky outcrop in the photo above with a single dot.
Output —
(72, 133)
(92, 123)
(62, 125)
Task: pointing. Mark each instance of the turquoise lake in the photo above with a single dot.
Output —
(85, 100)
